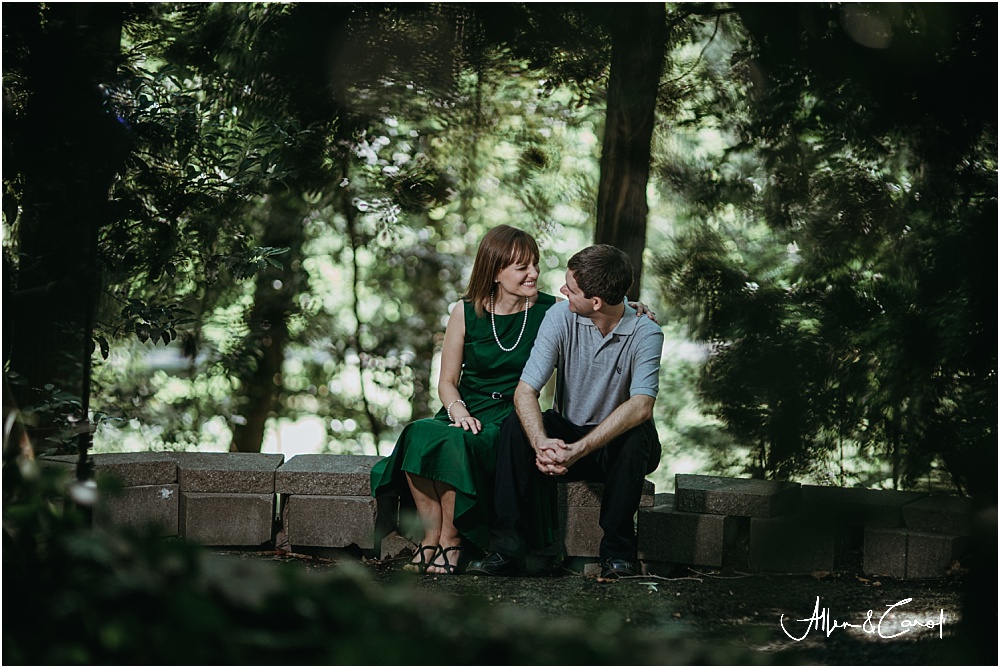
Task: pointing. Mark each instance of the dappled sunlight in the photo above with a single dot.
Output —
(299, 437)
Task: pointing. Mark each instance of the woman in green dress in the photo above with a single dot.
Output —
(446, 463)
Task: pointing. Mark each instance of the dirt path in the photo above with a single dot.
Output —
(747, 612)
(739, 619)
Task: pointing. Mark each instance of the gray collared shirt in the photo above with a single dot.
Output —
(596, 373)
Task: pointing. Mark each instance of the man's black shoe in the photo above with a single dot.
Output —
(495, 564)
(614, 568)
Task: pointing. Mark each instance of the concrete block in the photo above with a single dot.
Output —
(135, 469)
(227, 519)
(589, 494)
(331, 521)
(129, 469)
(855, 506)
(140, 507)
(794, 544)
(579, 533)
(930, 555)
(329, 475)
(227, 472)
(667, 535)
(582, 533)
(940, 514)
(913, 555)
(63, 462)
(742, 497)
(885, 552)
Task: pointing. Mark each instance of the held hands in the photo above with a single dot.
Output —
(554, 456)
(547, 454)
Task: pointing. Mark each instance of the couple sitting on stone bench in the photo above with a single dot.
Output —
(482, 472)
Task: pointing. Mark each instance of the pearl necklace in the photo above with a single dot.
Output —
(494, 323)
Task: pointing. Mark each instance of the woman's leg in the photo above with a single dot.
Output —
(428, 503)
(448, 536)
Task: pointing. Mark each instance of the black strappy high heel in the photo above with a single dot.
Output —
(449, 568)
(421, 565)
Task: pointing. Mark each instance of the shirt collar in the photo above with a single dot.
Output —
(625, 327)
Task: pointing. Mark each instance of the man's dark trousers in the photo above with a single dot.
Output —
(622, 465)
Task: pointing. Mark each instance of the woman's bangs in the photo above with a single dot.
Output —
(523, 252)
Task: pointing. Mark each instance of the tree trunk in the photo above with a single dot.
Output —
(68, 145)
(274, 291)
(638, 40)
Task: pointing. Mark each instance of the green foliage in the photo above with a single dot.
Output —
(302, 188)
(859, 321)
(384, 242)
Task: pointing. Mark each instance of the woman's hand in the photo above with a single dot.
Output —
(468, 423)
(642, 309)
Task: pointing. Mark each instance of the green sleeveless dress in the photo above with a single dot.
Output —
(434, 449)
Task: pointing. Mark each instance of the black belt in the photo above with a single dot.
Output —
(492, 395)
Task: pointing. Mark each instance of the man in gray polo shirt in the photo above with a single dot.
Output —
(600, 427)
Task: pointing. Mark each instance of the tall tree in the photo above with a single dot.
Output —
(63, 147)
(638, 41)
(125, 163)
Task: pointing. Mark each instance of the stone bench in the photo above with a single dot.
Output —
(760, 525)
(579, 533)
(740, 497)
(327, 502)
(227, 498)
(145, 494)
(232, 499)
(668, 536)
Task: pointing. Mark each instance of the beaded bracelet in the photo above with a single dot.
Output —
(448, 409)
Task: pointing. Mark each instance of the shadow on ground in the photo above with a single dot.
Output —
(705, 617)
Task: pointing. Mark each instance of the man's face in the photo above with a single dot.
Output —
(577, 302)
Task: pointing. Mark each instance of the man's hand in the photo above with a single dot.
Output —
(547, 455)
(547, 450)
(569, 454)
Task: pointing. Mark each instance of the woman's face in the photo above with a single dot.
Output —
(520, 279)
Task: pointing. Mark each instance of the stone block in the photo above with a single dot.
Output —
(139, 507)
(128, 469)
(794, 544)
(885, 552)
(326, 475)
(227, 472)
(63, 462)
(589, 494)
(855, 506)
(931, 555)
(667, 535)
(940, 514)
(227, 519)
(331, 521)
(913, 555)
(741, 497)
(579, 533)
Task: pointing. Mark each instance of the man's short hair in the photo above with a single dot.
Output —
(602, 271)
